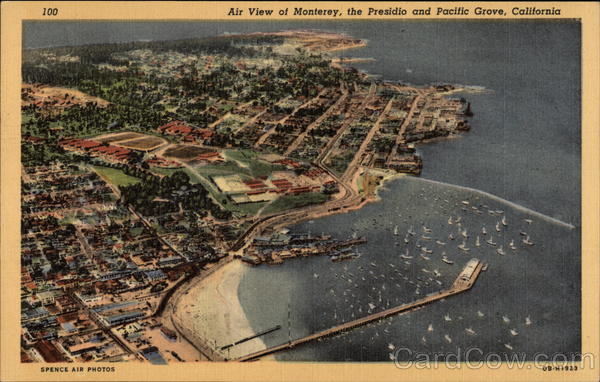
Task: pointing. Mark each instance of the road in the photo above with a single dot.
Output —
(317, 122)
(105, 329)
(352, 167)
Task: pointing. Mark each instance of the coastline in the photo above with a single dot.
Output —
(208, 310)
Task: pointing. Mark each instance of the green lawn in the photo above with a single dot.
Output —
(251, 164)
(288, 202)
(115, 176)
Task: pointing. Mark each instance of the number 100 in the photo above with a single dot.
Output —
(50, 12)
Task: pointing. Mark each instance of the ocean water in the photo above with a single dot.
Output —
(524, 146)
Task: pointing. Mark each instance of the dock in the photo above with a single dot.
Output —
(465, 281)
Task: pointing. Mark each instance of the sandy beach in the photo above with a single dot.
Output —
(211, 314)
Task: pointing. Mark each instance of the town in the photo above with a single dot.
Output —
(147, 164)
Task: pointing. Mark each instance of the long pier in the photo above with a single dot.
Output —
(463, 282)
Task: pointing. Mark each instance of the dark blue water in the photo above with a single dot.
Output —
(524, 146)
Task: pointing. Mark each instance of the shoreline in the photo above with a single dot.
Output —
(211, 316)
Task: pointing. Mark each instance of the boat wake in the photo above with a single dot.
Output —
(507, 202)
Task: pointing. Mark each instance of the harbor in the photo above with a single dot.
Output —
(465, 281)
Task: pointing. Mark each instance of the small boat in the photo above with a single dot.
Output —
(522, 233)
(512, 245)
(498, 226)
(477, 244)
(527, 241)
(445, 260)
(528, 221)
(447, 337)
(447, 317)
(505, 319)
(514, 332)
(451, 237)
(500, 251)
(504, 223)
(424, 257)
(483, 231)
(499, 211)
(437, 273)
(411, 231)
(458, 219)
(466, 203)
(480, 313)
(430, 328)
(527, 321)
(426, 230)
(464, 234)
(485, 267)
(508, 346)
(424, 237)
(470, 331)
(396, 230)
(425, 250)
(490, 241)
(406, 257)
(463, 247)
(406, 239)
(450, 220)
(440, 242)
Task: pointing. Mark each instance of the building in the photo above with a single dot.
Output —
(122, 318)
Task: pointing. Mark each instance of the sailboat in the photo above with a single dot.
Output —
(491, 241)
(446, 260)
(483, 231)
(504, 223)
(500, 251)
(450, 220)
(405, 255)
(411, 231)
(396, 230)
(527, 241)
(512, 245)
(463, 246)
(477, 244)
(498, 226)
(464, 234)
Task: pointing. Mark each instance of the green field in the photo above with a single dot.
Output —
(248, 161)
(115, 176)
(288, 202)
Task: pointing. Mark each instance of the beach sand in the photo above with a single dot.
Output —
(212, 315)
